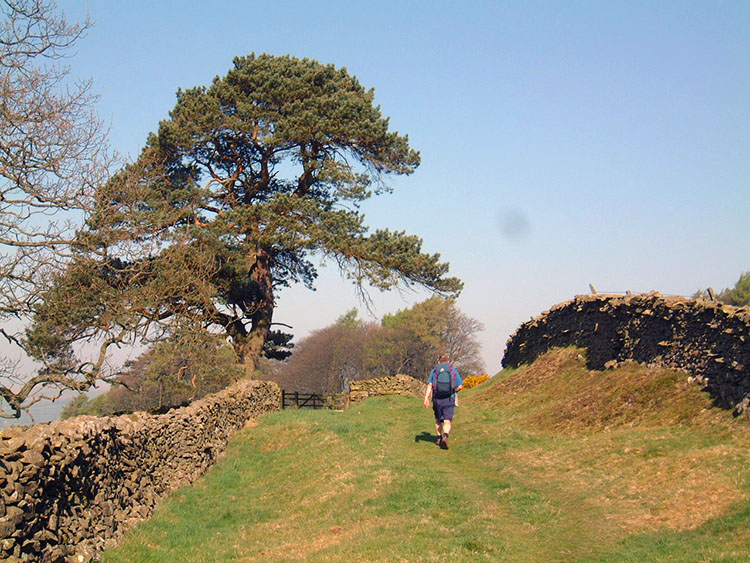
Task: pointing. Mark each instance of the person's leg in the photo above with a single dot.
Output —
(447, 412)
(447, 425)
(438, 420)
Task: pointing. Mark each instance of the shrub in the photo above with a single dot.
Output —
(474, 380)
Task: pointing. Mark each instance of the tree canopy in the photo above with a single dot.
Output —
(238, 193)
(412, 339)
(738, 295)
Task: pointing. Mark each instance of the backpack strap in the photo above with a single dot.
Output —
(453, 378)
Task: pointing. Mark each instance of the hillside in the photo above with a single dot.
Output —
(550, 462)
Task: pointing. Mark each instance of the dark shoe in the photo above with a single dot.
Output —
(439, 441)
(444, 443)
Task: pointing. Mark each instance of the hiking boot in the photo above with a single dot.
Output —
(444, 443)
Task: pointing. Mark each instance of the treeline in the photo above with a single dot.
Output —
(191, 365)
(407, 342)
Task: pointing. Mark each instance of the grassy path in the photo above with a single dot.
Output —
(370, 485)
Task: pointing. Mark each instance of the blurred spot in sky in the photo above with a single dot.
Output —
(514, 224)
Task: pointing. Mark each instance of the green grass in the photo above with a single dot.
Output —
(530, 476)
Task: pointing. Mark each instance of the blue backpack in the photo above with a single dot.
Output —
(444, 382)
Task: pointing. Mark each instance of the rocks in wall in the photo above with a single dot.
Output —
(709, 340)
(71, 487)
(391, 385)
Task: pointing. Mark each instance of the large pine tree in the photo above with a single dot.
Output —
(238, 191)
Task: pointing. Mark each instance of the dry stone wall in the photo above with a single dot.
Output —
(709, 340)
(70, 488)
(389, 385)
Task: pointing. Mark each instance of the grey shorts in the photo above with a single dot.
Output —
(443, 409)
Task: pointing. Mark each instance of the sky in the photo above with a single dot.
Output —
(563, 143)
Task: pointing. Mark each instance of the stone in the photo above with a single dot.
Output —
(12, 444)
(14, 515)
(705, 339)
(6, 528)
(128, 462)
(33, 457)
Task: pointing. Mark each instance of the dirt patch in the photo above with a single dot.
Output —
(285, 438)
(295, 548)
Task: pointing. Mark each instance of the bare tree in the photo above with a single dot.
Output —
(53, 152)
(330, 358)
(461, 344)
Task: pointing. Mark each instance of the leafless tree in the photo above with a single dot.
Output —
(328, 359)
(461, 344)
(53, 152)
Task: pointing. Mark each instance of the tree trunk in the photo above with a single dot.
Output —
(262, 316)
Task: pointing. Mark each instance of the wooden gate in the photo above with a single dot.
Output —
(312, 401)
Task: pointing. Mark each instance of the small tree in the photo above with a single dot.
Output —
(173, 372)
(740, 294)
(245, 183)
(411, 340)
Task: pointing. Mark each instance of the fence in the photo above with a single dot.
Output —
(312, 401)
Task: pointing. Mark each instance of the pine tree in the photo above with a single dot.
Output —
(236, 195)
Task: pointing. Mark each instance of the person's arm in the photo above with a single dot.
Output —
(428, 393)
(460, 382)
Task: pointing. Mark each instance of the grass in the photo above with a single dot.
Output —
(548, 463)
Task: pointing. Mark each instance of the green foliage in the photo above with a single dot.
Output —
(173, 372)
(245, 183)
(78, 405)
(739, 295)
(350, 319)
(412, 340)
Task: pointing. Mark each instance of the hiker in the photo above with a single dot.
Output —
(442, 386)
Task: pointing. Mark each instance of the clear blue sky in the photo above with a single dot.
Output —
(563, 143)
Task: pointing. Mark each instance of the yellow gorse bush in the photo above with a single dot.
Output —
(474, 380)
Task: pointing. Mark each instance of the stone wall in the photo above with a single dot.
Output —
(70, 488)
(709, 340)
(390, 385)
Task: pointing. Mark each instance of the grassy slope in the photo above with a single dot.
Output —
(548, 463)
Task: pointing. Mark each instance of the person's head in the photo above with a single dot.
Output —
(443, 359)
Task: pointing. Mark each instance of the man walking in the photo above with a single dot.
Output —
(442, 386)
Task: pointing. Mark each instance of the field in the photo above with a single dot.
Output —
(549, 462)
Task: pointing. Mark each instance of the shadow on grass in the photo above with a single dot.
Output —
(425, 437)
